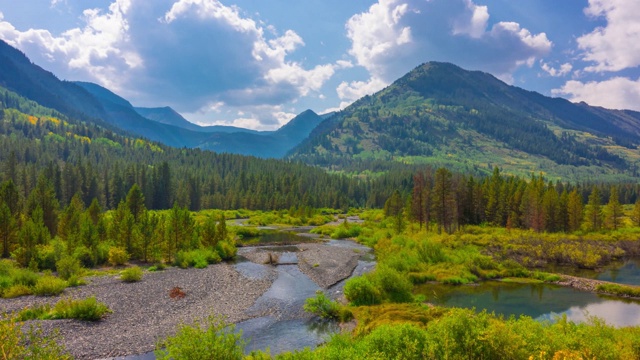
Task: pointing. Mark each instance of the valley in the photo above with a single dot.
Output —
(448, 215)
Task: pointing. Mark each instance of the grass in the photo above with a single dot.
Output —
(88, 309)
(131, 274)
(49, 286)
(619, 290)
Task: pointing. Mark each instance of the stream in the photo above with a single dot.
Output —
(546, 301)
(278, 321)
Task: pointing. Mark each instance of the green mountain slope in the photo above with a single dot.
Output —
(440, 114)
(81, 157)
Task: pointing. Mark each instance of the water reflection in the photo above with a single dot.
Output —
(540, 301)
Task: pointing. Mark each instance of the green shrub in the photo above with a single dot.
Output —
(131, 274)
(75, 281)
(198, 258)
(322, 306)
(24, 277)
(16, 291)
(68, 266)
(395, 286)
(88, 309)
(118, 256)
(38, 312)
(49, 286)
(46, 257)
(226, 250)
(199, 342)
(22, 342)
(84, 255)
(360, 291)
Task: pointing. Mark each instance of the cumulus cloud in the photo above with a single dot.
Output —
(614, 93)
(184, 53)
(393, 36)
(563, 70)
(259, 117)
(97, 51)
(613, 47)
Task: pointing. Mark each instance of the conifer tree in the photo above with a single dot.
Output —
(613, 211)
(8, 229)
(443, 201)
(635, 215)
(575, 211)
(593, 211)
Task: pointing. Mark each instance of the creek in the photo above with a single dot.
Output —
(546, 301)
(285, 325)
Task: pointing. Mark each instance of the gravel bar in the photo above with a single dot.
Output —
(143, 312)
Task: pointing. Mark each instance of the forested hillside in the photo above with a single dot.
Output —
(442, 115)
(74, 156)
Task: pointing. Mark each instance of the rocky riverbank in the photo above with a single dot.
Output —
(144, 312)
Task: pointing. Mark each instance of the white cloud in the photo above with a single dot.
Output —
(472, 22)
(260, 117)
(614, 93)
(356, 89)
(184, 53)
(615, 46)
(99, 50)
(394, 36)
(563, 70)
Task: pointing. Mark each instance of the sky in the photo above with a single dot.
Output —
(256, 64)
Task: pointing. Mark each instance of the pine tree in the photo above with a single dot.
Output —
(613, 210)
(135, 202)
(443, 204)
(593, 211)
(43, 196)
(8, 229)
(575, 211)
(635, 215)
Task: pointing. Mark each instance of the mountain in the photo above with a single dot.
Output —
(268, 145)
(167, 115)
(91, 102)
(443, 115)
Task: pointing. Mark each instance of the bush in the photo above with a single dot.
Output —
(322, 306)
(395, 286)
(360, 291)
(18, 343)
(68, 266)
(16, 291)
(49, 286)
(199, 258)
(88, 309)
(132, 274)
(46, 257)
(118, 256)
(24, 277)
(84, 255)
(200, 342)
(226, 250)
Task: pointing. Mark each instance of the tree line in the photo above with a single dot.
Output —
(447, 201)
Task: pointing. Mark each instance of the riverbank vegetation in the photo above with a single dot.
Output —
(451, 229)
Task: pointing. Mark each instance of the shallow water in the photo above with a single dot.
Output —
(623, 272)
(539, 301)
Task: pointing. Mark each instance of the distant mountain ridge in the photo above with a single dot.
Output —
(92, 102)
(443, 115)
(166, 115)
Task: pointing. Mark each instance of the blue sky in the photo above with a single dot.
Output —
(256, 64)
